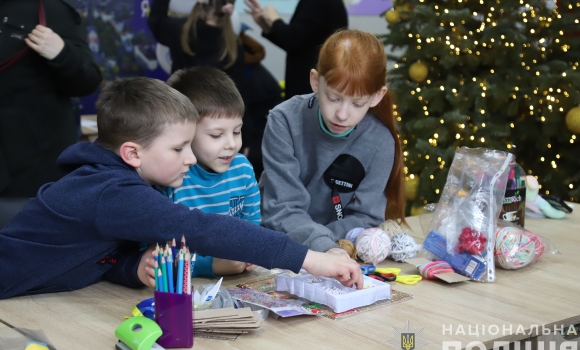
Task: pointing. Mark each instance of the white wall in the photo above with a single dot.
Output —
(276, 57)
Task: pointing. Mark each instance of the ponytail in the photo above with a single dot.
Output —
(395, 190)
(190, 26)
(229, 37)
(231, 42)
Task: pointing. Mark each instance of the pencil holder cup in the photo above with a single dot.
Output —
(173, 313)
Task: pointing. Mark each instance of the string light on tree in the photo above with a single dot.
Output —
(505, 70)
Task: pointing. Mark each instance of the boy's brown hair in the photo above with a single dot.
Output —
(210, 90)
(138, 109)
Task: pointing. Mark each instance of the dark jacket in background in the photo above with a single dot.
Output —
(312, 23)
(61, 239)
(36, 115)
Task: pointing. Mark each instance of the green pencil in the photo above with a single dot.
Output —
(164, 271)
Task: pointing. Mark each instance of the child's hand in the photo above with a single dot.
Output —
(250, 267)
(270, 15)
(146, 268)
(227, 267)
(339, 266)
(337, 251)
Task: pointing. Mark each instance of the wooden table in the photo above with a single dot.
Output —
(544, 294)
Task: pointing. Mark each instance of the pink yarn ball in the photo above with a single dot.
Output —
(373, 245)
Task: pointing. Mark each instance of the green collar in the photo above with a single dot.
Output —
(327, 132)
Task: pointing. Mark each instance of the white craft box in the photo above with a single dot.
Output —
(303, 287)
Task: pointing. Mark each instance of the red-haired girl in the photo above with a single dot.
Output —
(332, 159)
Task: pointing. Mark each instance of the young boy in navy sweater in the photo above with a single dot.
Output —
(223, 180)
(85, 227)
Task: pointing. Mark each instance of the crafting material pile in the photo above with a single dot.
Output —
(227, 323)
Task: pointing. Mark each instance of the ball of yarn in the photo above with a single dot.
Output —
(348, 246)
(516, 248)
(391, 227)
(429, 270)
(373, 245)
(353, 234)
(403, 247)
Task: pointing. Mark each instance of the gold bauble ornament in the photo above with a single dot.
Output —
(392, 16)
(573, 120)
(411, 186)
(418, 71)
(407, 7)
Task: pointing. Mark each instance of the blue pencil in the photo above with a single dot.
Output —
(179, 285)
(170, 272)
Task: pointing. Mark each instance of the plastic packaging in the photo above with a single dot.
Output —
(516, 247)
(221, 300)
(462, 231)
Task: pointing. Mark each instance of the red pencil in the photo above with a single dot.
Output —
(186, 277)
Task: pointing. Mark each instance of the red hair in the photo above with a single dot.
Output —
(355, 63)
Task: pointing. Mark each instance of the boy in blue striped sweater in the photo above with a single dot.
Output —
(223, 180)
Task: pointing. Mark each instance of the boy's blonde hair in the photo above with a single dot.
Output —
(138, 109)
(210, 90)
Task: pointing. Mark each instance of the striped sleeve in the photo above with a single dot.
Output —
(251, 209)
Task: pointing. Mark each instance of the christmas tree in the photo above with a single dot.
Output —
(500, 74)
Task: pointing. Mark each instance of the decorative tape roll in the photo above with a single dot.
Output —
(403, 247)
(429, 270)
(373, 245)
(516, 248)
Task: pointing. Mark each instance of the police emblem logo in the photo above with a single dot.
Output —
(408, 338)
(408, 341)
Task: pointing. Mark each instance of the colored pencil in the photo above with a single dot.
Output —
(156, 273)
(164, 270)
(170, 272)
(186, 273)
(179, 286)
(159, 282)
(173, 248)
(193, 258)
